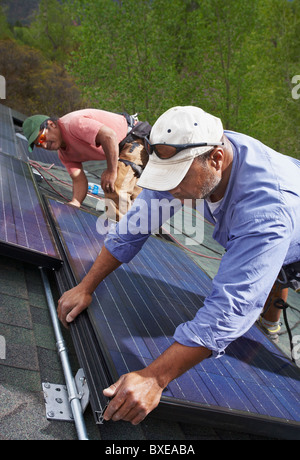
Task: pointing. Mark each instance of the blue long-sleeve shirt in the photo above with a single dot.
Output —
(257, 222)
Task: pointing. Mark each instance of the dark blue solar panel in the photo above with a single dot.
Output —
(22, 219)
(7, 133)
(137, 308)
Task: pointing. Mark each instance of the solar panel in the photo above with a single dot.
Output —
(135, 311)
(7, 134)
(24, 231)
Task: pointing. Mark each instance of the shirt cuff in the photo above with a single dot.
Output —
(192, 335)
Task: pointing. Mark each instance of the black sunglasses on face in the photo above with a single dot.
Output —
(166, 151)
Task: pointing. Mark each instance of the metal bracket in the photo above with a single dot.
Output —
(57, 400)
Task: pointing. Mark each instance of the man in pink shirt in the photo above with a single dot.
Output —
(92, 134)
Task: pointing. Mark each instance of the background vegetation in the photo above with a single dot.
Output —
(234, 58)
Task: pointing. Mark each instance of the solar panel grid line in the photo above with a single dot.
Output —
(256, 379)
(247, 388)
(153, 263)
(107, 324)
(28, 193)
(147, 263)
(200, 286)
(7, 197)
(145, 304)
(127, 326)
(263, 395)
(133, 308)
(15, 194)
(266, 404)
(282, 364)
(227, 392)
(197, 391)
(284, 396)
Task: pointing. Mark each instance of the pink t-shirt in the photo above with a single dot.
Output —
(79, 130)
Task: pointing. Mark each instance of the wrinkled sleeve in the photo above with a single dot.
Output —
(148, 212)
(254, 256)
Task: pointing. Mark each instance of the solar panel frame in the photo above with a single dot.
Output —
(25, 233)
(274, 419)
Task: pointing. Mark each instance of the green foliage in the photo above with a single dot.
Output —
(234, 58)
(51, 31)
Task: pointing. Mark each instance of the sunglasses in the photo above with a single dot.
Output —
(166, 151)
(41, 139)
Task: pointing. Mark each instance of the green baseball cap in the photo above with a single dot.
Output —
(32, 127)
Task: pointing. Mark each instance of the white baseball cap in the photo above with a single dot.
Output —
(179, 125)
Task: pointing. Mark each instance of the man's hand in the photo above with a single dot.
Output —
(108, 180)
(76, 300)
(134, 396)
(72, 303)
(74, 203)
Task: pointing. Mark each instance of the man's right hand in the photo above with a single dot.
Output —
(72, 303)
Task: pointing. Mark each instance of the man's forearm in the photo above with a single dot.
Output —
(80, 188)
(175, 361)
(103, 266)
(107, 138)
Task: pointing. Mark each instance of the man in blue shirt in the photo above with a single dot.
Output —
(252, 195)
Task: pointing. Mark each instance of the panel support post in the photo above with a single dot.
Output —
(74, 398)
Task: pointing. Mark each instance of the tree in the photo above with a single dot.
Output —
(236, 59)
(51, 31)
(5, 31)
(33, 84)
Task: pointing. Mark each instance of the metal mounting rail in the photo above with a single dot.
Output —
(74, 398)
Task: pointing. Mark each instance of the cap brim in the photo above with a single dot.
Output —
(32, 138)
(163, 177)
